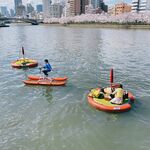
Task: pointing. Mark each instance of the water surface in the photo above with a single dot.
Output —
(56, 118)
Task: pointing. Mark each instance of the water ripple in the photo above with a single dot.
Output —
(38, 117)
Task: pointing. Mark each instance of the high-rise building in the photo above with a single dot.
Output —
(17, 3)
(104, 7)
(66, 9)
(83, 4)
(56, 10)
(39, 8)
(21, 11)
(12, 13)
(95, 3)
(30, 8)
(4, 11)
(89, 9)
(75, 7)
(99, 6)
(140, 5)
(46, 7)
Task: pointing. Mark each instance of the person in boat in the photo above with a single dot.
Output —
(118, 95)
(107, 92)
(101, 93)
(46, 68)
(96, 93)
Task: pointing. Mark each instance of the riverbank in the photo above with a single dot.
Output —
(125, 20)
(98, 25)
(95, 25)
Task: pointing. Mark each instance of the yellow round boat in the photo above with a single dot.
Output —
(24, 62)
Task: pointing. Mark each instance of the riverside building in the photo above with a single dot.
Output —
(46, 8)
(21, 11)
(17, 3)
(121, 8)
(140, 5)
(74, 7)
(55, 10)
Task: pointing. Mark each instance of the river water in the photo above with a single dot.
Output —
(59, 118)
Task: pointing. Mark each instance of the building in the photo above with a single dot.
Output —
(104, 7)
(111, 10)
(75, 7)
(121, 8)
(135, 5)
(99, 6)
(39, 8)
(21, 10)
(12, 13)
(46, 7)
(82, 6)
(4, 11)
(30, 8)
(96, 3)
(17, 3)
(55, 10)
(66, 10)
(140, 5)
(89, 9)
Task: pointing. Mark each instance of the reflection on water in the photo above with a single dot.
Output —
(39, 117)
(48, 94)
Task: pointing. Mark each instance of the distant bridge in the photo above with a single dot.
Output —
(32, 21)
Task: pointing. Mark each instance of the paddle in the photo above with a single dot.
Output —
(111, 77)
(23, 52)
(23, 55)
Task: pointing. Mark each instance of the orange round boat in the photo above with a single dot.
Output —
(33, 77)
(44, 82)
(105, 105)
(24, 62)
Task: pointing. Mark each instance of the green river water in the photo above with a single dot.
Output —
(59, 118)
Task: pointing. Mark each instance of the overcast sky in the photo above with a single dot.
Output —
(10, 3)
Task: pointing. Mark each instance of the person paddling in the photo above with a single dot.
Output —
(46, 68)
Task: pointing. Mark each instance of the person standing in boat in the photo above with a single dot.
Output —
(118, 95)
(46, 68)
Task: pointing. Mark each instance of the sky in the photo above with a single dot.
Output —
(10, 3)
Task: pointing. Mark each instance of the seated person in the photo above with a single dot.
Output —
(96, 93)
(108, 92)
(118, 95)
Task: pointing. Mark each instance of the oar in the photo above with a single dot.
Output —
(23, 52)
(23, 55)
(111, 77)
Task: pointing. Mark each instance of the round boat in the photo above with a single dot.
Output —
(24, 62)
(105, 105)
